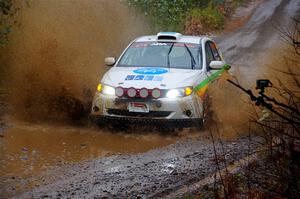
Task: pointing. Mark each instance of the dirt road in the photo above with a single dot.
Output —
(147, 175)
(159, 172)
(246, 47)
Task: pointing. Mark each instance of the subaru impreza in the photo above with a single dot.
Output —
(159, 78)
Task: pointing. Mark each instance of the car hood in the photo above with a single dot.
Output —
(139, 77)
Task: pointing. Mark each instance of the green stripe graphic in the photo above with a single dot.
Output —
(212, 77)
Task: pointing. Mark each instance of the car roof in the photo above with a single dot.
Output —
(180, 39)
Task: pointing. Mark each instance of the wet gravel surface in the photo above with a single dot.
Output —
(247, 46)
(149, 175)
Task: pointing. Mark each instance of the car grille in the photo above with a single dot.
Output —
(122, 112)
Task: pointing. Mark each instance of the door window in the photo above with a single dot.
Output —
(212, 53)
(209, 55)
(215, 52)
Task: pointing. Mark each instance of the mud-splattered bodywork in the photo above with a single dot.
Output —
(162, 108)
(187, 107)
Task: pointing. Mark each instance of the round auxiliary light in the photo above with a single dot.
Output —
(156, 93)
(131, 92)
(119, 91)
(144, 93)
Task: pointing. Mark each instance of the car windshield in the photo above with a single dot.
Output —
(157, 54)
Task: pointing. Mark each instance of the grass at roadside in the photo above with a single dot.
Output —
(190, 17)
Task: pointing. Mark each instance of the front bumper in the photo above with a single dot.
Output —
(185, 108)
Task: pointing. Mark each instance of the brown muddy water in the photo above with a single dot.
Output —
(55, 57)
(53, 62)
(28, 149)
(52, 65)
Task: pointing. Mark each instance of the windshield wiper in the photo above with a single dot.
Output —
(193, 62)
(170, 50)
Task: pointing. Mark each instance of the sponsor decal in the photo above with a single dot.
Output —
(158, 78)
(140, 44)
(159, 44)
(144, 77)
(150, 71)
(187, 44)
(139, 77)
(149, 78)
(129, 77)
(153, 44)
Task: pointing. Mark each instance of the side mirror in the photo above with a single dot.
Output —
(216, 65)
(109, 61)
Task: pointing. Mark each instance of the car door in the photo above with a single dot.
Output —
(211, 54)
(203, 80)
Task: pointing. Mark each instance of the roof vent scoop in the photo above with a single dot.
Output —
(168, 36)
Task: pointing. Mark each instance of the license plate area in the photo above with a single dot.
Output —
(138, 107)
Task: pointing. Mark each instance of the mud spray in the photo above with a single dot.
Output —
(55, 60)
(233, 109)
(228, 114)
(55, 56)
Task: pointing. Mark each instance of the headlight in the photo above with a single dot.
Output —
(173, 93)
(106, 90)
(179, 92)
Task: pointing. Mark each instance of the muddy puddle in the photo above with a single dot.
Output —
(29, 149)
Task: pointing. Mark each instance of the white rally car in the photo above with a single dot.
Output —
(159, 78)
